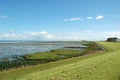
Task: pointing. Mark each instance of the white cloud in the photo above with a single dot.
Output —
(100, 17)
(88, 35)
(11, 31)
(3, 16)
(8, 36)
(43, 35)
(39, 35)
(111, 34)
(74, 19)
(89, 18)
(88, 31)
(69, 36)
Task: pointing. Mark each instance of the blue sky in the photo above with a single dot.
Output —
(59, 19)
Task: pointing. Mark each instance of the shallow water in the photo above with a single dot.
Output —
(10, 49)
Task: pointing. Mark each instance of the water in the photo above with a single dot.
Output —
(8, 49)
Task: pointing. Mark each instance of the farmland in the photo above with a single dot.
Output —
(103, 65)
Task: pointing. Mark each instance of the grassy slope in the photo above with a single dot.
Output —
(91, 67)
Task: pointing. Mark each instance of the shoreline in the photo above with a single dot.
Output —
(34, 61)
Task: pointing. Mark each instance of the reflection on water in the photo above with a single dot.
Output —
(10, 49)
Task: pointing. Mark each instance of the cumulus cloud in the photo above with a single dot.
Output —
(74, 19)
(100, 17)
(111, 34)
(69, 36)
(43, 35)
(39, 35)
(8, 36)
(89, 18)
(88, 35)
(3, 16)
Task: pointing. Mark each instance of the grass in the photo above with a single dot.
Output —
(41, 55)
(61, 53)
(16, 73)
(52, 55)
(45, 57)
(102, 66)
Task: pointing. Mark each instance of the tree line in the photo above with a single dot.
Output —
(112, 39)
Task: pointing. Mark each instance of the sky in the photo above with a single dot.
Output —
(59, 19)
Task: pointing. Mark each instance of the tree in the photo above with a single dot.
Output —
(114, 39)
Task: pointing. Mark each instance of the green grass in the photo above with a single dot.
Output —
(102, 66)
(68, 53)
(42, 55)
(45, 57)
(61, 53)
(16, 73)
(53, 54)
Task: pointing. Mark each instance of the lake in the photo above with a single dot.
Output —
(8, 49)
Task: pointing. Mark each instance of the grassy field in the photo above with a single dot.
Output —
(100, 66)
